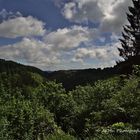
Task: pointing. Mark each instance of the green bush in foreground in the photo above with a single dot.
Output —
(61, 136)
(40, 111)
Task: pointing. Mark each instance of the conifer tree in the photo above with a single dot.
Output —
(131, 35)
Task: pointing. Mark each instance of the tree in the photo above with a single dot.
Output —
(131, 35)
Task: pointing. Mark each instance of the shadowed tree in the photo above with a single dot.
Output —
(131, 35)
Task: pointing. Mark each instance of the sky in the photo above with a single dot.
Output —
(62, 34)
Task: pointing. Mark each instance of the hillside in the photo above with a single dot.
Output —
(72, 78)
(13, 67)
(69, 78)
(32, 107)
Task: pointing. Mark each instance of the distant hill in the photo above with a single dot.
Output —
(72, 78)
(14, 67)
(20, 75)
(69, 78)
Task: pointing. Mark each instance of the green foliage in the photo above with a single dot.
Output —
(111, 137)
(23, 119)
(131, 34)
(61, 136)
(33, 108)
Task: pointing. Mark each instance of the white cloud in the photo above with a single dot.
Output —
(110, 14)
(50, 52)
(69, 10)
(8, 15)
(69, 38)
(21, 26)
(91, 53)
(31, 52)
(102, 54)
(67, 47)
(82, 10)
(60, 50)
(115, 17)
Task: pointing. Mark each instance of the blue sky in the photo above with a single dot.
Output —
(62, 34)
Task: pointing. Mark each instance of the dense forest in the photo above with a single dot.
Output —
(72, 78)
(34, 107)
(91, 104)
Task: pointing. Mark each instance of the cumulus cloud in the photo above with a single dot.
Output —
(102, 54)
(61, 49)
(91, 53)
(116, 17)
(82, 10)
(110, 14)
(69, 38)
(67, 46)
(51, 51)
(21, 26)
(31, 52)
(9, 15)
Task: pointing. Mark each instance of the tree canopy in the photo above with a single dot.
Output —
(131, 35)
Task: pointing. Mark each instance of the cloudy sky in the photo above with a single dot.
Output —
(62, 34)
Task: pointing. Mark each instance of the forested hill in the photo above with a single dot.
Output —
(70, 78)
(11, 67)
(32, 108)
